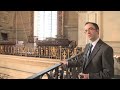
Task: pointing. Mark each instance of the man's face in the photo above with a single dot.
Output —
(91, 32)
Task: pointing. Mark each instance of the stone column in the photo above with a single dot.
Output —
(81, 35)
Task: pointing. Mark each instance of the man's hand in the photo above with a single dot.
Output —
(64, 62)
(83, 76)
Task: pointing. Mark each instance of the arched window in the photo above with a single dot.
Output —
(45, 24)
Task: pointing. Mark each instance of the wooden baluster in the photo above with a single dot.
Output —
(39, 50)
(49, 51)
(60, 53)
(42, 51)
(75, 51)
(68, 52)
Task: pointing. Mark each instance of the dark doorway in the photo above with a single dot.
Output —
(4, 36)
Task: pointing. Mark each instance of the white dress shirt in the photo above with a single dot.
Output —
(94, 43)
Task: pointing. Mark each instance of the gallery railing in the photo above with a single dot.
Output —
(59, 71)
(56, 52)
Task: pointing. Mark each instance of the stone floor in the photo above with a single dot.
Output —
(20, 67)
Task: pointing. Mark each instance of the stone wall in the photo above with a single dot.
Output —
(17, 24)
(71, 25)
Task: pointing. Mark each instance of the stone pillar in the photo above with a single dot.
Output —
(81, 35)
(60, 22)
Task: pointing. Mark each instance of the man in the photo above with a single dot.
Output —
(97, 59)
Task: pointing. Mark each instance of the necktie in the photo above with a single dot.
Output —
(88, 54)
(89, 50)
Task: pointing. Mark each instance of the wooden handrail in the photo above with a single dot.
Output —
(59, 72)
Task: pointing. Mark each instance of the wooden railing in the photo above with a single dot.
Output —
(59, 71)
(56, 52)
(116, 67)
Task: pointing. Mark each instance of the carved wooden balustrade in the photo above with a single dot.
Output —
(59, 71)
(116, 67)
(56, 52)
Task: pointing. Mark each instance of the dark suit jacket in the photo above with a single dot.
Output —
(100, 64)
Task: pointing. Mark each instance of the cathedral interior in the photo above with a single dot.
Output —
(32, 43)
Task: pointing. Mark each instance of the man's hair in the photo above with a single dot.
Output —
(94, 24)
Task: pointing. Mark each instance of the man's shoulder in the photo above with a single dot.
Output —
(106, 45)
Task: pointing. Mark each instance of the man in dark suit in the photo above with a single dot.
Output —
(97, 59)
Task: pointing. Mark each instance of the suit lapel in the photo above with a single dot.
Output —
(94, 52)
